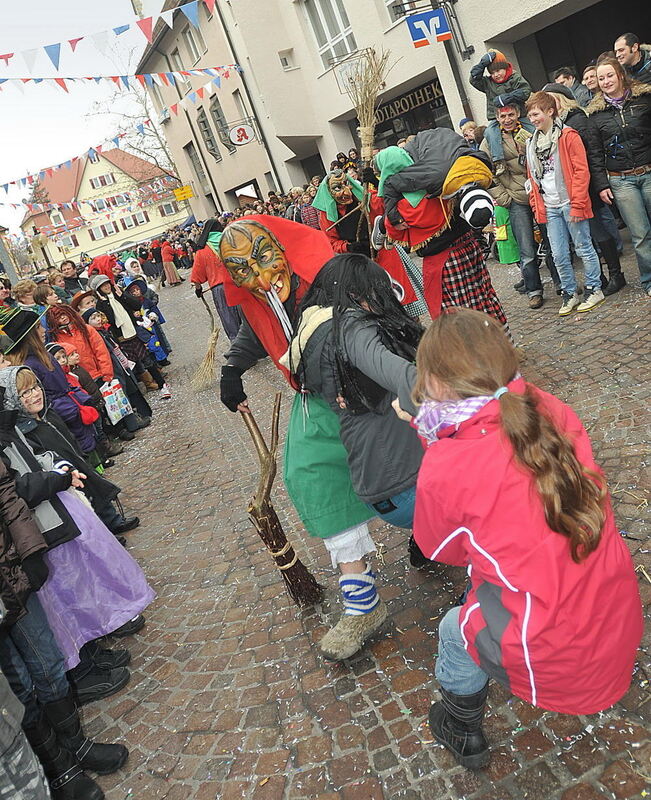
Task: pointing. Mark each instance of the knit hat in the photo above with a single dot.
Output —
(476, 207)
(52, 347)
(88, 313)
(559, 88)
(16, 323)
(98, 280)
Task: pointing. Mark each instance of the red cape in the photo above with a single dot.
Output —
(306, 250)
(102, 265)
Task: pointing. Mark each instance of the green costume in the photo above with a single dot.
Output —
(389, 162)
(507, 249)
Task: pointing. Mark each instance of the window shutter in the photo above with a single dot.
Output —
(75, 242)
(146, 215)
(124, 225)
(92, 235)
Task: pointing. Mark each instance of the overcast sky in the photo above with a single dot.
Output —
(44, 125)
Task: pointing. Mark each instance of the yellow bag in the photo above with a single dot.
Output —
(501, 233)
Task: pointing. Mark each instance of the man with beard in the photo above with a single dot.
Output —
(271, 262)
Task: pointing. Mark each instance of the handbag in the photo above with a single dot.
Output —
(116, 401)
(88, 414)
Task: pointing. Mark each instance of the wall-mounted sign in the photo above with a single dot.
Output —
(428, 93)
(183, 193)
(241, 134)
(429, 26)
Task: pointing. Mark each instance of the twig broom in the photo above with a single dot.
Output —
(205, 374)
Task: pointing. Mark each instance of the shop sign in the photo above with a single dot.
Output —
(241, 134)
(429, 26)
(428, 93)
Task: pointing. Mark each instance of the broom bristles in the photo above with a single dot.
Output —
(205, 374)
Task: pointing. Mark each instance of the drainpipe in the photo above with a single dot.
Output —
(231, 46)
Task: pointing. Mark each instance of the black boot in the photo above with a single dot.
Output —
(105, 658)
(66, 778)
(416, 557)
(611, 257)
(103, 759)
(456, 723)
(98, 683)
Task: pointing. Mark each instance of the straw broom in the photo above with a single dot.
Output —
(301, 585)
(205, 374)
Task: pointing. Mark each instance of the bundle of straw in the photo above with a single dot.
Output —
(205, 374)
(363, 84)
(301, 585)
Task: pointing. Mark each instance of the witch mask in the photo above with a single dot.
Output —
(340, 188)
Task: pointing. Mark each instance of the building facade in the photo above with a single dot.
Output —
(294, 55)
(116, 198)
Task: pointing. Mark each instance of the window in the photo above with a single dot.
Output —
(132, 221)
(399, 8)
(102, 180)
(196, 45)
(68, 242)
(102, 231)
(155, 92)
(99, 204)
(207, 135)
(286, 59)
(331, 28)
(193, 156)
(217, 113)
(168, 209)
(239, 104)
(177, 66)
(56, 218)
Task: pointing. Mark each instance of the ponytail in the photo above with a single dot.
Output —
(572, 495)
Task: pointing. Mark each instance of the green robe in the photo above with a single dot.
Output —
(507, 250)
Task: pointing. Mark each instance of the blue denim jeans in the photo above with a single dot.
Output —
(633, 196)
(455, 670)
(522, 226)
(607, 218)
(560, 230)
(31, 660)
(397, 510)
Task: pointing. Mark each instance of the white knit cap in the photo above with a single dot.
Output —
(476, 207)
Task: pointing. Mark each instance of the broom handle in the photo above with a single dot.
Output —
(341, 219)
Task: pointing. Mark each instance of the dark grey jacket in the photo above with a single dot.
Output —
(11, 715)
(384, 453)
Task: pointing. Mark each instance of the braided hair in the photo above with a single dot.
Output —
(351, 281)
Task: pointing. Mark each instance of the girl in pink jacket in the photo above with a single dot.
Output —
(509, 489)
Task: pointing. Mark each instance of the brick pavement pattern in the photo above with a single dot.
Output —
(229, 697)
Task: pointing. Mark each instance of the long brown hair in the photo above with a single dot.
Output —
(610, 60)
(470, 355)
(53, 316)
(30, 345)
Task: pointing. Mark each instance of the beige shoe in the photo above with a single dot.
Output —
(349, 634)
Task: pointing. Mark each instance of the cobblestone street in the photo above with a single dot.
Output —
(229, 697)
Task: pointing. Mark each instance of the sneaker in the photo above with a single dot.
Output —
(570, 302)
(130, 627)
(536, 301)
(126, 524)
(519, 286)
(593, 298)
(100, 683)
(111, 659)
(126, 436)
(165, 392)
(500, 167)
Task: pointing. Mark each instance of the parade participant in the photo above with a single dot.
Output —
(339, 201)
(103, 265)
(83, 300)
(271, 263)
(553, 612)
(207, 268)
(171, 273)
(434, 202)
(354, 347)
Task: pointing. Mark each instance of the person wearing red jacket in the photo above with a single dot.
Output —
(509, 488)
(559, 178)
(171, 273)
(207, 268)
(67, 327)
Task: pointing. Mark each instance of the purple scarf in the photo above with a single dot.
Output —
(618, 102)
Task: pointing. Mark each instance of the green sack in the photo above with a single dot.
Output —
(507, 250)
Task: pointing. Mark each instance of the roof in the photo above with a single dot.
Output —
(160, 29)
(137, 168)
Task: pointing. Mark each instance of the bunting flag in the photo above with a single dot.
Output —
(101, 38)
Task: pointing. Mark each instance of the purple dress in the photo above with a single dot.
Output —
(94, 585)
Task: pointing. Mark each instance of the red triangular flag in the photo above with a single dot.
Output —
(62, 83)
(116, 79)
(50, 172)
(201, 92)
(175, 109)
(146, 26)
(74, 42)
(141, 79)
(25, 80)
(210, 4)
(164, 78)
(6, 58)
(99, 148)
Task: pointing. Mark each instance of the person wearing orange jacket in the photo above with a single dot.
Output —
(207, 268)
(171, 273)
(559, 180)
(67, 327)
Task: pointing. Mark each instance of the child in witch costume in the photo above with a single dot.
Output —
(435, 200)
(271, 262)
(336, 198)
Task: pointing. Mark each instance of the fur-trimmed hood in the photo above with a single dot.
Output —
(637, 89)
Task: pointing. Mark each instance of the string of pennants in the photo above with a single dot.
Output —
(128, 82)
(100, 39)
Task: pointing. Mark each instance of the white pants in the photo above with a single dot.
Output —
(350, 545)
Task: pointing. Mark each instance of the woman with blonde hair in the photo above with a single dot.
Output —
(509, 488)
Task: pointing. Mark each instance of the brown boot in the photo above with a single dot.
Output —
(150, 383)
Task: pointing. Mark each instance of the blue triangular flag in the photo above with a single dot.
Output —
(54, 52)
(140, 128)
(191, 11)
(3, 80)
(125, 81)
(5, 186)
(37, 80)
(116, 141)
(97, 79)
(68, 164)
(217, 82)
(148, 79)
(121, 29)
(171, 78)
(193, 96)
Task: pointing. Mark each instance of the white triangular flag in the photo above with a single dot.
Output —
(100, 40)
(30, 58)
(168, 17)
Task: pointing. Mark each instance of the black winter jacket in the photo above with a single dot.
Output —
(619, 140)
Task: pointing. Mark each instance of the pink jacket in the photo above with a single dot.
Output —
(560, 635)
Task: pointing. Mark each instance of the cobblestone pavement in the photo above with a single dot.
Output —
(229, 698)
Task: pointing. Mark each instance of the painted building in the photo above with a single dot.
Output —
(294, 58)
(118, 198)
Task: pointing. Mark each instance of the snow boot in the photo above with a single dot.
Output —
(66, 778)
(456, 722)
(150, 383)
(616, 277)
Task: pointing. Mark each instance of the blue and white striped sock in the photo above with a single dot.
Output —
(359, 593)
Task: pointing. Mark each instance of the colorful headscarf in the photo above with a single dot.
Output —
(325, 202)
(390, 161)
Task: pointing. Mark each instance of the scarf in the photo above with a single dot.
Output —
(618, 102)
(542, 145)
(311, 319)
(390, 161)
(434, 415)
(325, 202)
(122, 318)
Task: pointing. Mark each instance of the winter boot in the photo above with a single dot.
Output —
(98, 683)
(416, 557)
(150, 383)
(611, 256)
(364, 613)
(456, 722)
(66, 778)
(103, 759)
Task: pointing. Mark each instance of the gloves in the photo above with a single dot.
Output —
(198, 290)
(487, 58)
(231, 389)
(369, 176)
(36, 569)
(359, 247)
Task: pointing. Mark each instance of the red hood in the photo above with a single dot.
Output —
(103, 265)
(509, 74)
